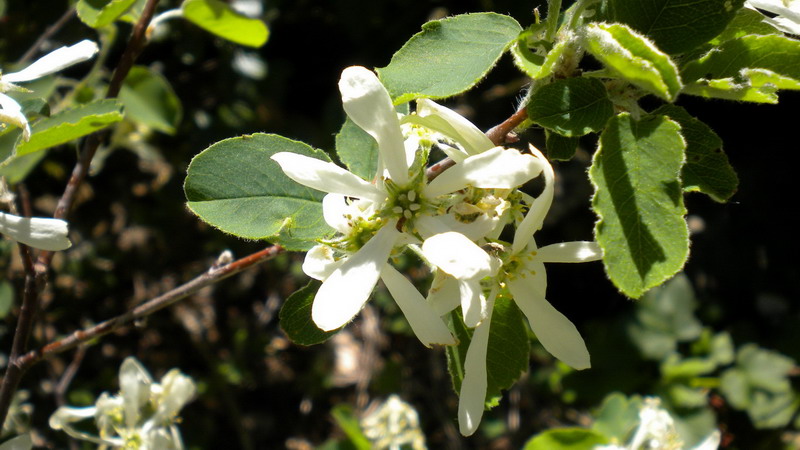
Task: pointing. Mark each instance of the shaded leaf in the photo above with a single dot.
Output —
(676, 26)
(560, 148)
(448, 56)
(295, 317)
(707, 169)
(571, 107)
(149, 99)
(638, 199)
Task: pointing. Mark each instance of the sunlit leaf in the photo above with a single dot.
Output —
(235, 186)
(448, 56)
(566, 439)
(219, 18)
(99, 13)
(149, 99)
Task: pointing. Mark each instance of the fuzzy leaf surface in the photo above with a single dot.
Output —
(638, 198)
(634, 58)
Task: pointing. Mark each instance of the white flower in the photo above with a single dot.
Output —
(524, 275)
(657, 430)
(393, 425)
(50, 63)
(368, 238)
(787, 13)
(143, 414)
(37, 232)
(400, 207)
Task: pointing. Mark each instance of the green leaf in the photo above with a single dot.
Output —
(759, 383)
(707, 169)
(149, 99)
(235, 186)
(618, 416)
(676, 26)
(750, 68)
(566, 439)
(6, 298)
(71, 124)
(634, 58)
(664, 317)
(295, 317)
(507, 354)
(357, 150)
(638, 199)
(745, 21)
(448, 56)
(219, 18)
(560, 148)
(346, 419)
(99, 13)
(571, 107)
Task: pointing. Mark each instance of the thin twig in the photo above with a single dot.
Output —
(48, 33)
(64, 382)
(30, 299)
(499, 135)
(213, 275)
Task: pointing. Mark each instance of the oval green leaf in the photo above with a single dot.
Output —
(235, 186)
(149, 99)
(295, 317)
(220, 19)
(566, 439)
(448, 56)
(571, 107)
(639, 202)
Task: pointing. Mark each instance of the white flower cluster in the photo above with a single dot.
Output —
(143, 416)
(657, 430)
(393, 425)
(453, 221)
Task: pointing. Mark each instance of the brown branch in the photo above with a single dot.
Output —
(499, 135)
(213, 275)
(30, 301)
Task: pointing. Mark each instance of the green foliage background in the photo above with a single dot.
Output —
(134, 239)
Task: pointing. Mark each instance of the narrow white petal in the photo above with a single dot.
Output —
(711, 442)
(570, 252)
(11, 112)
(367, 103)
(456, 255)
(319, 263)
(454, 126)
(36, 232)
(473, 303)
(473, 388)
(444, 295)
(134, 386)
(55, 61)
(326, 177)
(425, 322)
(557, 334)
(348, 288)
(497, 168)
(535, 216)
